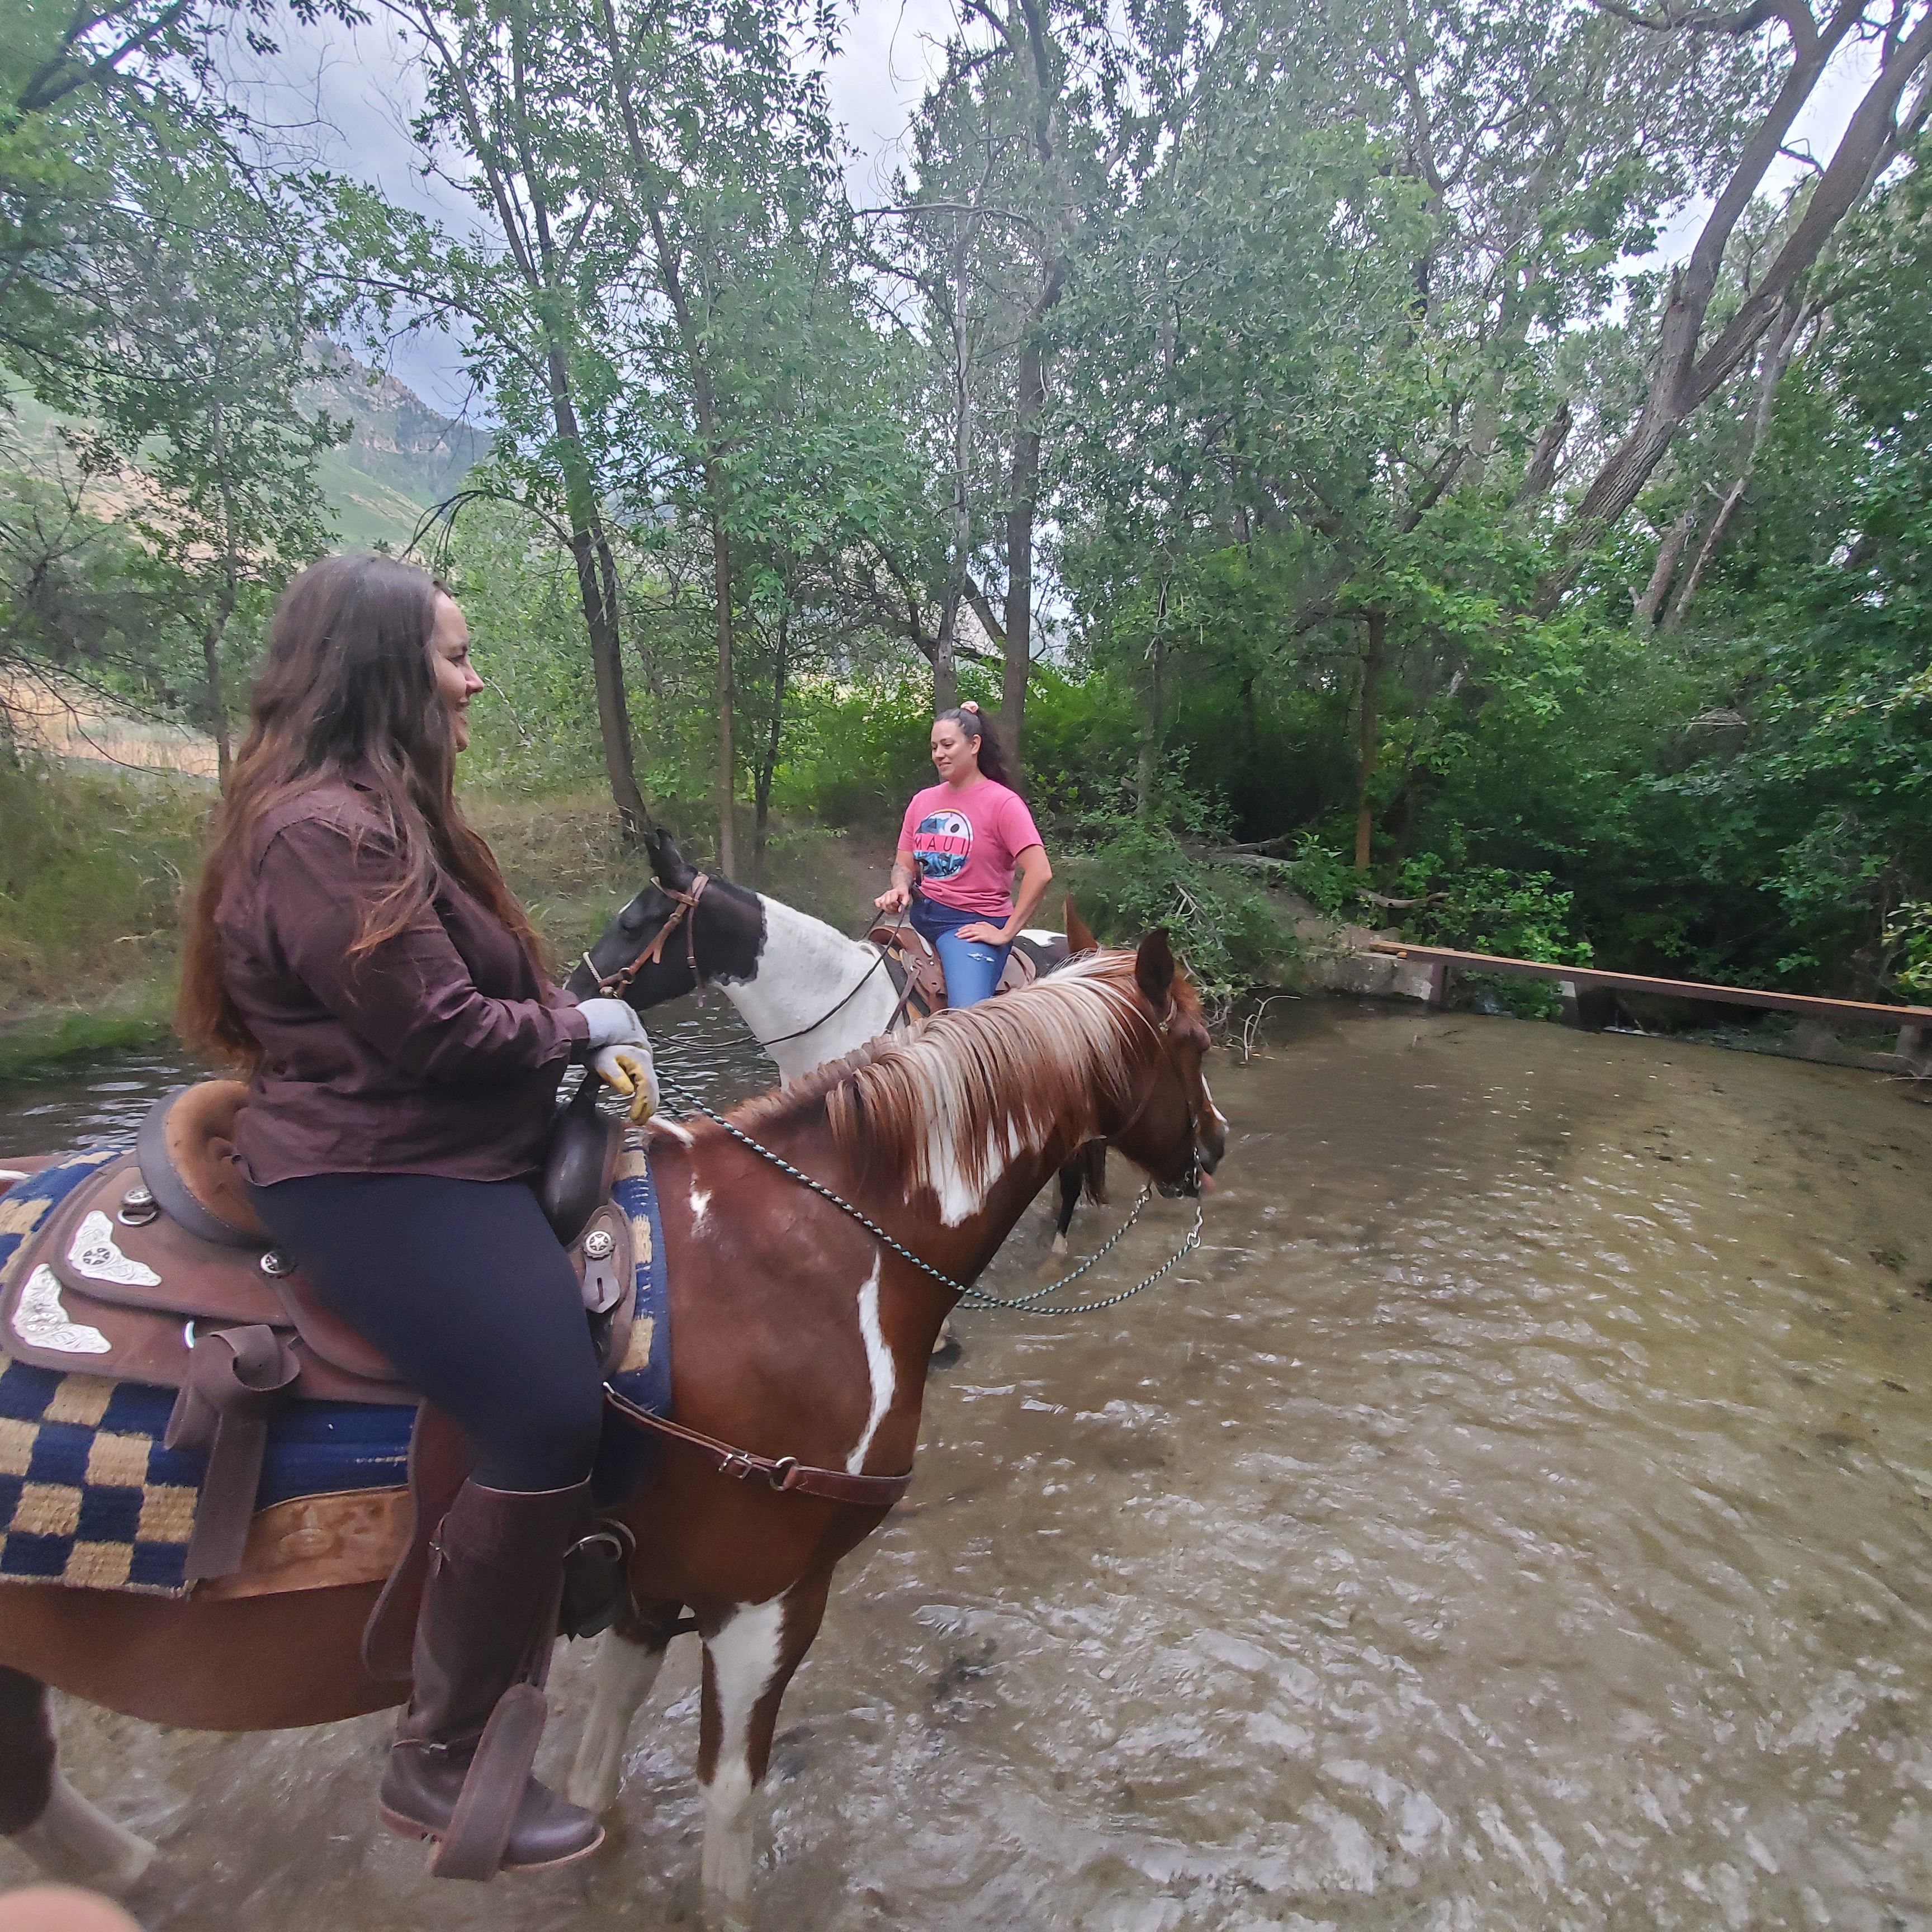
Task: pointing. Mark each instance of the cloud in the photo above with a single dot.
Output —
(343, 98)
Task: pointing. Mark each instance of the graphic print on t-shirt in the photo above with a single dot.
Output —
(942, 843)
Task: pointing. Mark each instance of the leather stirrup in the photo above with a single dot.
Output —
(479, 1827)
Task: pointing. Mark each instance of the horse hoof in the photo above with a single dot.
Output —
(1059, 1245)
(945, 1353)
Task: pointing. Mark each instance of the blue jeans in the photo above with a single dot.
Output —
(973, 968)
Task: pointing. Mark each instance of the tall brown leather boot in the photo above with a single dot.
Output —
(460, 1769)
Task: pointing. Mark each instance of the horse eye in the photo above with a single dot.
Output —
(631, 919)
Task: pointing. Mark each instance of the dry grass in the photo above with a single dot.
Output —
(95, 865)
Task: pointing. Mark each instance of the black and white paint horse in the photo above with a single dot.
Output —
(807, 992)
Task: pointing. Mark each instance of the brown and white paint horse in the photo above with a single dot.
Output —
(796, 1334)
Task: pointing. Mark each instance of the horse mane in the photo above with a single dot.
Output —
(950, 1102)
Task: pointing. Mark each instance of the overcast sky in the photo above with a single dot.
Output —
(346, 96)
(351, 93)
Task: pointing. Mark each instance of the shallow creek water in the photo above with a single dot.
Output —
(1518, 1514)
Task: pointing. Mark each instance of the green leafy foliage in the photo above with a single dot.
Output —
(1910, 932)
(1135, 877)
(1232, 354)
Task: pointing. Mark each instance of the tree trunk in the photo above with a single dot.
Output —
(1368, 747)
(945, 661)
(597, 592)
(215, 629)
(761, 779)
(1541, 473)
(645, 180)
(211, 657)
(1681, 377)
(1030, 398)
(1022, 506)
(1149, 751)
(1644, 610)
(721, 580)
(1778, 355)
(596, 570)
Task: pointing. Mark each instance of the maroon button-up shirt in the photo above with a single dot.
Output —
(438, 1053)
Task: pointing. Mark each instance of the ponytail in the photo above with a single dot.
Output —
(992, 759)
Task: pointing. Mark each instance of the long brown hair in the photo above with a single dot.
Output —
(348, 689)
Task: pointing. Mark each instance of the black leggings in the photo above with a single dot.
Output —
(462, 1284)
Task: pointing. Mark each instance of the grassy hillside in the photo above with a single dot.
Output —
(401, 457)
(96, 864)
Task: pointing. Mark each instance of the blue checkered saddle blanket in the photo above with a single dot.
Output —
(90, 1497)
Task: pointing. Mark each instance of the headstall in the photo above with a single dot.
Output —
(615, 986)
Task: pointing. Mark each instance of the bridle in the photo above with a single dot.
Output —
(615, 985)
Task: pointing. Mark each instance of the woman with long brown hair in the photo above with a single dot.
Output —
(354, 946)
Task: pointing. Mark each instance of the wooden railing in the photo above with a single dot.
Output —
(1914, 1023)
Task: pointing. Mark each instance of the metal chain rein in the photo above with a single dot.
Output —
(976, 1297)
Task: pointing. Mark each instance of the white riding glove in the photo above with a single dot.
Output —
(620, 1051)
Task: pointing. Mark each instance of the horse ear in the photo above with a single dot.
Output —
(1154, 969)
(667, 864)
(1079, 934)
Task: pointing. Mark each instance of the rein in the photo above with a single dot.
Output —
(845, 999)
(973, 1297)
(614, 985)
(785, 1474)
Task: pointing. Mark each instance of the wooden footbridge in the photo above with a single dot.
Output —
(1580, 982)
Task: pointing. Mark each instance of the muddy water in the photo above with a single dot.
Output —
(1520, 1516)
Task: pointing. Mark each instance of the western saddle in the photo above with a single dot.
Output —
(916, 971)
(156, 1270)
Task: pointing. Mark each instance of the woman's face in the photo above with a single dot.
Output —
(954, 756)
(456, 683)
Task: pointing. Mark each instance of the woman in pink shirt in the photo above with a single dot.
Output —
(959, 845)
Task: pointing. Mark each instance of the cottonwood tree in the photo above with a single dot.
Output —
(1700, 345)
(627, 159)
(1009, 164)
(528, 289)
(205, 415)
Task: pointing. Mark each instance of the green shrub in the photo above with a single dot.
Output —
(1486, 909)
(1137, 877)
(1323, 877)
(1908, 934)
(853, 754)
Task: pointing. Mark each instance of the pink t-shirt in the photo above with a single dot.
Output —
(964, 843)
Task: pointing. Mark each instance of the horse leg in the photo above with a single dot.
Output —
(1070, 1198)
(629, 1660)
(57, 1828)
(1087, 1170)
(748, 1660)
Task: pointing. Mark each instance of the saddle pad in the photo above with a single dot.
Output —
(626, 1457)
(90, 1498)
